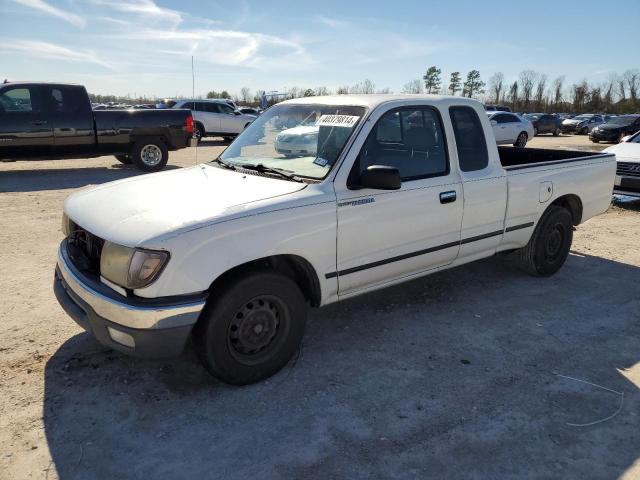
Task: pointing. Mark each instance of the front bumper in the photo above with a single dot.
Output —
(627, 186)
(570, 128)
(604, 135)
(151, 328)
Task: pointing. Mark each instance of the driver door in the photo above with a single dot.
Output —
(385, 235)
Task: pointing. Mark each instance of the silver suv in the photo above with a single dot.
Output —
(215, 118)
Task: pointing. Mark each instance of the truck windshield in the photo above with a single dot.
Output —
(302, 140)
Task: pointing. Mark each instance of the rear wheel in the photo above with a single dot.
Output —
(549, 245)
(535, 131)
(126, 159)
(556, 132)
(251, 328)
(595, 141)
(150, 155)
(521, 141)
(199, 132)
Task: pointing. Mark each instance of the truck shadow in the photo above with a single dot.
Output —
(64, 178)
(449, 374)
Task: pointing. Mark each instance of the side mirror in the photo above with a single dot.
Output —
(494, 123)
(381, 177)
(626, 139)
(237, 112)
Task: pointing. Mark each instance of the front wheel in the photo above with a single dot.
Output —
(535, 131)
(549, 245)
(228, 139)
(521, 141)
(556, 132)
(150, 155)
(595, 141)
(251, 328)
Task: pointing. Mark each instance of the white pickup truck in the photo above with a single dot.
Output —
(231, 253)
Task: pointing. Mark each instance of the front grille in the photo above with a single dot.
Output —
(84, 249)
(628, 169)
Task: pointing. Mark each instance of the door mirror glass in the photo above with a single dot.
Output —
(494, 123)
(237, 112)
(381, 177)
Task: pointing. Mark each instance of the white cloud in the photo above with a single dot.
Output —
(144, 8)
(331, 22)
(225, 47)
(44, 7)
(51, 51)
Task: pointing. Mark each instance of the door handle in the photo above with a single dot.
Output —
(448, 197)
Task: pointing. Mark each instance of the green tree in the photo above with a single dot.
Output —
(432, 79)
(473, 85)
(213, 94)
(308, 93)
(455, 82)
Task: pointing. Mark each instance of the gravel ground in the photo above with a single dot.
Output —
(462, 374)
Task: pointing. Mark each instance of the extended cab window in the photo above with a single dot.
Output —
(66, 100)
(409, 139)
(16, 100)
(472, 147)
(224, 108)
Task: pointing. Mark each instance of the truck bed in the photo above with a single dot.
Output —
(516, 158)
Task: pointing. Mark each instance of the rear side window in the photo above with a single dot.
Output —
(66, 100)
(472, 147)
(16, 100)
(224, 108)
(512, 119)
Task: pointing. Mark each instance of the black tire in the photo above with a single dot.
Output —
(150, 155)
(535, 131)
(227, 338)
(522, 139)
(126, 159)
(556, 132)
(595, 141)
(199, 132)
(549, 245)
(229, 139)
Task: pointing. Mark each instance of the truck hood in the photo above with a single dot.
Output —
(134, 210)
(627, 152)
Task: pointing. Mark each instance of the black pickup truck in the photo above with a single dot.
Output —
(54, 121)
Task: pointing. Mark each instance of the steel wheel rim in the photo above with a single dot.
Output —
(554, 242)
(151, 155)
(257, 328)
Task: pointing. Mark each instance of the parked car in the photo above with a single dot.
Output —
(250, 110)
(55, 120)
(215, 118)
(627, 180)
(581, 124)
(398, 188)
(616, 129)
(300, 140)
(544, 123)
(510, 129)
(497, 108)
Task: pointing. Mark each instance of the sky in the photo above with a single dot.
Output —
(144, 47)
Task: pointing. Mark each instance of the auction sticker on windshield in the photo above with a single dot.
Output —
(347, 121)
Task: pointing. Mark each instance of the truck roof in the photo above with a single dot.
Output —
(25, 82)
(374, 100)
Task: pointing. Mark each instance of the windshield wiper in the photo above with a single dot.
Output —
(262, 168)
(224, 164)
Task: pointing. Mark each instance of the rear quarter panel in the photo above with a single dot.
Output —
(117, 129)
(591, 179)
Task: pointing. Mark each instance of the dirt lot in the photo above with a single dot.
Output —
(457, 375)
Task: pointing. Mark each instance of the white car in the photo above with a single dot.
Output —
(627, 153)
(582, 124)
(215, 118)
(510, 129)
(228, 255)
(298, 141)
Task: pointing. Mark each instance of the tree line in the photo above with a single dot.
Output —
(533, 91)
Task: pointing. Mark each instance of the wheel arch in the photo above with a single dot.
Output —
(295, 267)
(572, 203)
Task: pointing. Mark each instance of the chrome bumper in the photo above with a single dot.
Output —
(129, 312)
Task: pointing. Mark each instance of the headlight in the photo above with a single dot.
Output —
(131, 267)
(309, 137)
(66, 225)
